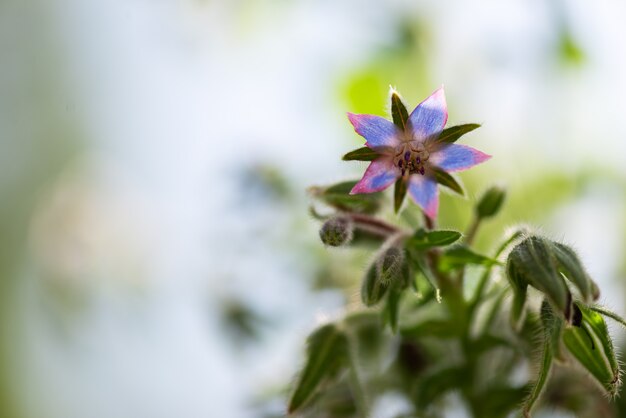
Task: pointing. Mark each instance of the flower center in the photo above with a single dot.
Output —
(410, 158)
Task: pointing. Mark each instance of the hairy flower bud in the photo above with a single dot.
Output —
(532, 262)
(337, 231)
(389, 265)
(491, 202)
(545, 265)
(390, 269)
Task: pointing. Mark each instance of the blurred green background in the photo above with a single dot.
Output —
(157, 256)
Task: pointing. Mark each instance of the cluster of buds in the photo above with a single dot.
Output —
(569, 315)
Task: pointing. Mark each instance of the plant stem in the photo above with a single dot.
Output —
(472, 230)
(372, 223)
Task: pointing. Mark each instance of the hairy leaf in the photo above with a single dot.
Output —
(327, 351)
(423, 240)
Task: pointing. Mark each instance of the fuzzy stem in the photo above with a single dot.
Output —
(368, 221)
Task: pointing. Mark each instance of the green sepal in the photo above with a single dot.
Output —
(545, 366)
(520, 291)
(399, 193)
(392, 307)
(424, 240)
(609, 314)
(361, 154)
(398, 111)
(447, 180)
(453, 133)
(573, 269)
(327, 355)
(591, 344)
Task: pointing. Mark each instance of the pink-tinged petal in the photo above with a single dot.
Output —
(380, 174)
(456, 157)
(378, 131)
(424, 191)
(430, 116)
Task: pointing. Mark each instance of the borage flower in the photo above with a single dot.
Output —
(414, 151)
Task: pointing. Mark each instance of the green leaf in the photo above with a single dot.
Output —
(499, 401)
(491, 202)
(366, 328)
(453, 133)
(399, 193)
(487, 342)
(398, 111)
(338, 196)
(440, 328)
(423, 240)
(361, 154)
(439, 383)
(327, 354)
(460, 255)
(445, 179)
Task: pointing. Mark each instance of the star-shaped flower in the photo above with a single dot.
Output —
(414, 151)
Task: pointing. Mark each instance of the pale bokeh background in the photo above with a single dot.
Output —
(157, 258)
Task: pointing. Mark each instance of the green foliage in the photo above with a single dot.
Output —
(435, 316)
(423, 239)
(327, 354)
(460, 256)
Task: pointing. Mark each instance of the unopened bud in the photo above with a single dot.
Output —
(532, 262)
(490, 202)
(390, 264)
(336, 231)
(373, 289)
(391, 268)
(573, 269)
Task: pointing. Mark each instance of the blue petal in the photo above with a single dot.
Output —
(423, 190)
(430, 116)
(456, 157)
(380, 174)
(379, 132)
